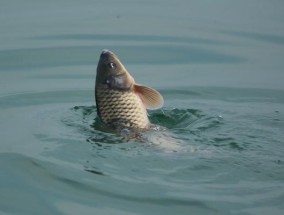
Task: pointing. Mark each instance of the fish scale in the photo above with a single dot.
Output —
(121, 103)
(121, 108)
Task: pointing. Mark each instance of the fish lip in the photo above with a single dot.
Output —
(106, 52)
(107, 56)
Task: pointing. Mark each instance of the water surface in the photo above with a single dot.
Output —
(220, 69)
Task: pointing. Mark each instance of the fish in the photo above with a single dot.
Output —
(121, 102)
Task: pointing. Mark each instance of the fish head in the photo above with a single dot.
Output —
(111, 72)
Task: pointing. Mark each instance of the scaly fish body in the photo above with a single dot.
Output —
(121, 103)
(121, 109)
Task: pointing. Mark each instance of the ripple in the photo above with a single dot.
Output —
(136, 38)
(179, 123)
(257, 36)
(199, 148)
(86, 55)
(176, 118)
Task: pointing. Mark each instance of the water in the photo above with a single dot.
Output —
(219, 67)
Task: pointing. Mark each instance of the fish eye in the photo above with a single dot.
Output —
(112, 65)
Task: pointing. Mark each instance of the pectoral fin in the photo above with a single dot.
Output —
(151, 98)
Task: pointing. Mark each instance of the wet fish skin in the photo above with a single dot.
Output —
(121, 103)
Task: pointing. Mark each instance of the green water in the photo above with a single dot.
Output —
(219, 66)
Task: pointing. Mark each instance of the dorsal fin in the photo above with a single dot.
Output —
(151, 98)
